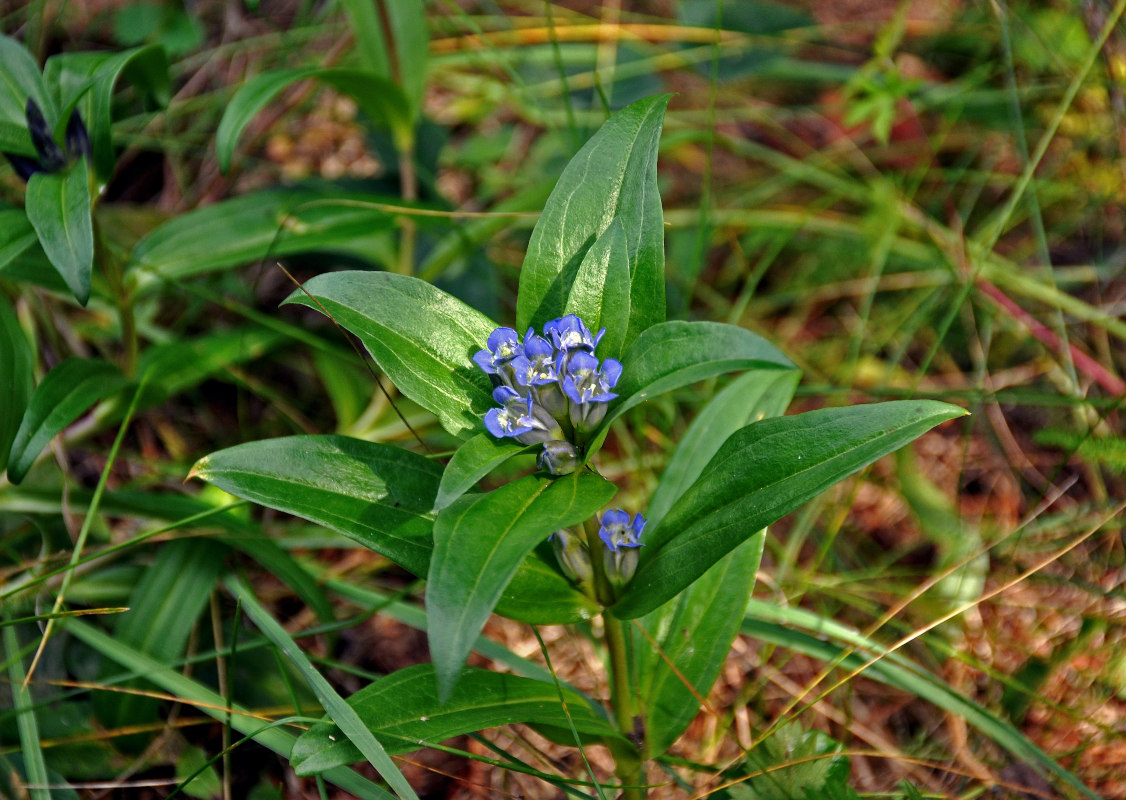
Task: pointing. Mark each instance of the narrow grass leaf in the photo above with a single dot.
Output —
(806, 632)
(59, 207)
(65, 392)
(479, 542)
(27, 726)
(214, 705)
(422, 338)
(613, 175)
(471, 462)
(403, 710)
(411, 41)
(16, 379)
(761, 473)
(674, 354)
(163, 609)
(375, 494)
(600, 292)
(339, 711)
(371, 40)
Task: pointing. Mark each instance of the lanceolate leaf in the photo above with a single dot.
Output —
(675, 354)
(539, 595)
(16, 379)
(274, 222)
(614, 175)
(58, 205)
(403, 711)
(600, 293)
(422, 338)
(64, 393)
(480, 540)
(377, 96)
(761, 473)
(475, 459)
(689, 637)
(376, 494)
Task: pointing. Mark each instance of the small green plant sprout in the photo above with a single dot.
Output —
(552, 546)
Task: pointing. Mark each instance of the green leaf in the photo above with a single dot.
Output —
(761, 473)
(163, 609)
(793, 763)
(66, 391)
(16, 379)
(59, 207)
(675, 354)
(471, 462)
(411, 41)
(480, 540)
(87, 81)
(339, 711)
(16, 235)
(421, 337)
(693, 632)
(375, 494)
(755, 395)
(539, 595)
(613, 175)
(783, 626)
(19, 80)
(693, 636)
(274, 222)
(403, 710)
(367, 29)
(376, 96)
(600, 293)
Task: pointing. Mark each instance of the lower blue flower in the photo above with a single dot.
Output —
(520, 418)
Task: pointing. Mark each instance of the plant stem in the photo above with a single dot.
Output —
(626, 757)
(408, 188)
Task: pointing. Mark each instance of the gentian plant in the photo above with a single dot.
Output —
(669, 581)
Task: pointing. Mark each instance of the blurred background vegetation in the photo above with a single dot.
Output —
(911, 199)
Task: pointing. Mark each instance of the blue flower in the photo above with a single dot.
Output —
(570, 333)
(588, 388)
(520, 418)
(504, 345)
(52, 158)
(616, 530)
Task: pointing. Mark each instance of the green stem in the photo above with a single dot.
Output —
(627, 757)
(408, 188)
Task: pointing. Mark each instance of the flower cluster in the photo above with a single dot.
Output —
(550, 388)
(621, 538)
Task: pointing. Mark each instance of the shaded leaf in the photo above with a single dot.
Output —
(16, 379)
(65, 392)
(59, 207)
(20, 79)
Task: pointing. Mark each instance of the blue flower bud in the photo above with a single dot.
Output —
(570, 333)
(558, 458)
(573, 556)
(588, 388)
(622, 539)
